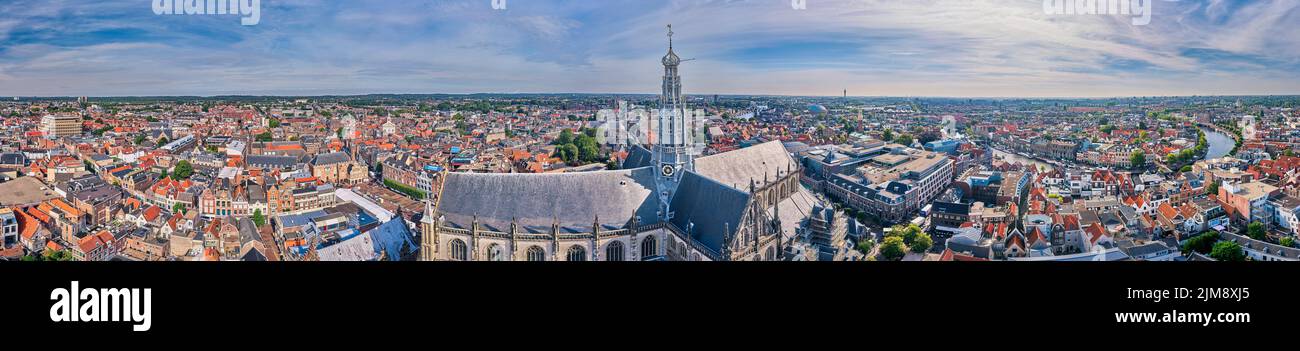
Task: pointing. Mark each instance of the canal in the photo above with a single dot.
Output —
(1220, 144)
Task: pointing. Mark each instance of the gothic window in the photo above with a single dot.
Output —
(672, 247)
(459, 252)
(771, 254)
(536, 254)
(577, 254)
(681, 249)
(649, 248)
(614, 251)
(695, 257)
(495, 253)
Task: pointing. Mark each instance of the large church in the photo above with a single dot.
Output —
(665, 204)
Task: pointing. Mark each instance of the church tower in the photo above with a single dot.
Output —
(672, 139)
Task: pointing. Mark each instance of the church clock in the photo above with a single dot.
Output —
(668, 170)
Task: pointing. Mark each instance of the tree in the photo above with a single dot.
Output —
(930, 135)
(1185, 169)
(566, 137)
(865, 246)
(258, 218)
(904, 139)
(1288, 242)
(60, 255)
(888, 136)
(1202, 243)
(588, 148)
(1228, 251)
(164, 175)
(183, 170)
(265, 136)
(178, 208)
(139, 138)
(1255, 230)
(163, 141)
(921, 243)
(1138, 159)
(273, 123)
(893, 248)
(1212, 190)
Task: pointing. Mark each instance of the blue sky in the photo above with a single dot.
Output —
(870, 47)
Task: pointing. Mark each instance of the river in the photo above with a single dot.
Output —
(1220, 144)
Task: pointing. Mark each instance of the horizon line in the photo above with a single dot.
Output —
(1045, 97)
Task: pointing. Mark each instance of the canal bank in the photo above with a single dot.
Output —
(1220, 144)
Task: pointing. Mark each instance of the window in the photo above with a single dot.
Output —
(771, 254)
(649, 248)
(459, 252)
(536, 254)
(495, 253)
(614, 251)
(577, 254)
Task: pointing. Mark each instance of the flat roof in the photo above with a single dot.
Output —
(25, 191)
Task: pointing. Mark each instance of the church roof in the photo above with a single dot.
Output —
(736, 168)
(638, 157)
(714, 209)
(538, 200)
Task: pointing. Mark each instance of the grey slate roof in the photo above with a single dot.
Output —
(737, 168)
(638, 157)
(538, 200)
(950, 208)
(714, 209)
(330, 158)
(273, 161)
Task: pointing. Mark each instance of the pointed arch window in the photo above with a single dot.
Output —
(576, 254)
(536, 254)
(649, 248)
(459, 251)
(614, 251)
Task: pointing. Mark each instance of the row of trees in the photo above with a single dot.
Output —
(1188, 155)
(1236, 131)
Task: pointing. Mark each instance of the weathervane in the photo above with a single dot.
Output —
(670, 37)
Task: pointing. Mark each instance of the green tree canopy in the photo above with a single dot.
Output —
(1138, 159)
(1228, 251)
(893, 248)
(1202, 243)
(1255, 230)
(183, 170)
(921, 243)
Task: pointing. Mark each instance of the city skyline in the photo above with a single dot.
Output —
(958, 49)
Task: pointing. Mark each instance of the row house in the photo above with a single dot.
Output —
(409, 170)
(100, 246)
(338, 168)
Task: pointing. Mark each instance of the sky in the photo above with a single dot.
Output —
(950, 48)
